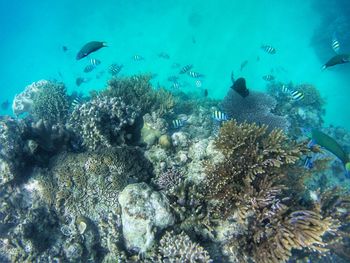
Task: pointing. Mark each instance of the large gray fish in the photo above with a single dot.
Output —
(90, 47)
(337, 59)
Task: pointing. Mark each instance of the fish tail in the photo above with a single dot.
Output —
(104, 44)
(323, 67)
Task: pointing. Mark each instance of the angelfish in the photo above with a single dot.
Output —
(90, 47)
(337, 59)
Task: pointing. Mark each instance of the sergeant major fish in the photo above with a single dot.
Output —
(186, 69)
(268, 49)
(268, 77)
(194, 74)
(90, 47)
(219, 116)
(178, 123)
(114, 69)
(335, 44)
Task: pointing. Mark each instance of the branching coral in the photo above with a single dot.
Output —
(256, 108)
(51, 103)
(179, 248)
(104, 121)
(137, 91)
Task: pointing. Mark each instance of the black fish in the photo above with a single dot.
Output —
(90, 47)
(5, 105)
(80, 81)
(205, 93)
(337, 59)
(240, 87)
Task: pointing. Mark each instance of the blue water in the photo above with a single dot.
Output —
(214, 36)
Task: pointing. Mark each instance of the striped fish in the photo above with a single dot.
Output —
(186, 68)
(177, 123)
(89, 68)
(285, 89)
(268, 49)
(268, 77)
(335, 44)
(194, 74)
(138, 58)
(173, 78)
(114, 69)
(219, 116)
(296, 95)
(94, 61)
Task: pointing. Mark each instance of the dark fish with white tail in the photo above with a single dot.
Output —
(194, 74)
(268, 49)
(268, 77)
(114, 69)
(186, 68)
(89, 48)
(337, 60)
(178, 123)
(219, 116)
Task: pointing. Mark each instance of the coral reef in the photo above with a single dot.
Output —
(137, 91)
(88, 183)
(105, 122)
(180, 248)
(256, 108)
(50, 103)
(144, 211)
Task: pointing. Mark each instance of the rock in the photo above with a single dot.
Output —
(180, 139)
(165, 141)
(144, 211)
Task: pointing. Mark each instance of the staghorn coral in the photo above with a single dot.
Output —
(104, 121)
(50, 103)
(137, 91)
(251, 153)
(88, 183)
(180, 248)
(256, 108)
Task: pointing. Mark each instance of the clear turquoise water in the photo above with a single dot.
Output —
(225, 34)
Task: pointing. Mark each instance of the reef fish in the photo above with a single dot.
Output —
(80, 80)
(114, 69)
(296, 95)
(205, 93)
(331, 145)
(198, 83)
(94, 61)
(243, 64)
(89, 68)
(335, 44)
(186, 69)
(268, 77)
(137, 57)
(164, 55)
(194, 74)
(337, 59)
(219, 116)
(268, 49)
(173, 78)
(178, 123)
(240, 87)
(90, 47)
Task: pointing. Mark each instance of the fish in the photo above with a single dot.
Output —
(243, 64)
(308, 163)
(186, 68)
(285, 89)
(77, 101)
(5, 105)
(268, 49)
(89, 68)
(198, 83)
(332, 146)
(194, 74)
(177, 123)
(94, 61)
(219, 116)
(176, 85)
(335, 44)
(296, 95)
(173, 78)
(164, 55)
(205, 93)
(64, 49)
(137, 57)
(114, 69)
(268, 77)
(336, 60)
(89, 48)
(240, 87)
(80, 80)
